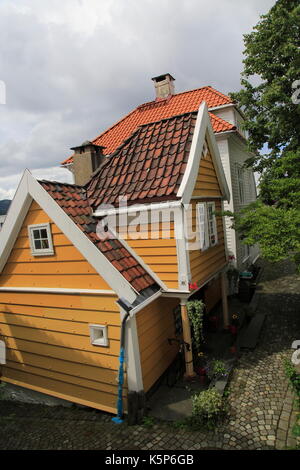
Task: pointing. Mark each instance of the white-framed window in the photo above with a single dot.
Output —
(98, 334)
(212, 223)
(40, 239)
(203, 228)
(240, 178)
(207, 225)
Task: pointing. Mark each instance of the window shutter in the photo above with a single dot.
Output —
(202, 221)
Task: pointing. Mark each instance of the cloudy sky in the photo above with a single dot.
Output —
(71, 68)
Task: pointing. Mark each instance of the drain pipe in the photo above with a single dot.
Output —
(127, 307)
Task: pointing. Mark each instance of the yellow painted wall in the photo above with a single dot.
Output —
(47, 335)
(157, 251)
(48, 345)
(67, 268)
(155, 324)
(207, 184)
(204, 264)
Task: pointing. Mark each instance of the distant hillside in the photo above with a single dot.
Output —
(4, 205)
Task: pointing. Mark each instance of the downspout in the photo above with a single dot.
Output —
(127, 307)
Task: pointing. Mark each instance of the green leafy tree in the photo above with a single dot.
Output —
(270, 102)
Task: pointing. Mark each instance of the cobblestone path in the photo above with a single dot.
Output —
(262, 406)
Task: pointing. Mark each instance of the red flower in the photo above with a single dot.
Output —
(193, 285)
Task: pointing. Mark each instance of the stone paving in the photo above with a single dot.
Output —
(262, 407)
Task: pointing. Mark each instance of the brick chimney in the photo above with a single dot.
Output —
(87, 158)
(164, 85)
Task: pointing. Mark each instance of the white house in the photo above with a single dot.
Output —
(241, 181)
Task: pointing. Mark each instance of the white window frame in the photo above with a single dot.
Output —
(207, 227)
(42, 251)
(203, 227)
(94, 335)
(212, 224)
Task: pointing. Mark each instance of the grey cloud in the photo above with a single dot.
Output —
(73, 68)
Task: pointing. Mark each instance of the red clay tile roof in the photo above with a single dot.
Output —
(174, 105)
(150, 164)
(73, 200)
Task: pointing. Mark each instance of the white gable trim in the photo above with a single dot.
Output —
(58, 290)
(203, 127)
(132, 354)
(153, 206)
(30, 189)
(14, 220)
(183, 259)
(222, 106)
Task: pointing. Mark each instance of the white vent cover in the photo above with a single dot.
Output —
(2, 353)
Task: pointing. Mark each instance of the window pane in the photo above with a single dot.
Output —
(37, 244)
(36, 234)
(44, 233)
(45, 244)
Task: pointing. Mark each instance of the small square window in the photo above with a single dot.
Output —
(40, 239)
(99, 335)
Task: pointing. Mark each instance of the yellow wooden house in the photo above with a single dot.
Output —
(76, 287)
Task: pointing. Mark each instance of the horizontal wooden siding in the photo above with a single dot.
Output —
(48, 346)
(67, 268)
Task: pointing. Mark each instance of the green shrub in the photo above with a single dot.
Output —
(207, 407)
(217, 369)
(195, 309)
(294, 378)
(148, 421)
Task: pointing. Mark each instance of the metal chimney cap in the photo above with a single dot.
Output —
(87, 143)
(162, 77)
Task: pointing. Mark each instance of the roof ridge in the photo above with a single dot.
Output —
(147, 103)
(167, 118)
(220, 94)
(133, 115)
(60, 182)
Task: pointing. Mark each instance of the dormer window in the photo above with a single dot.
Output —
(40, 239)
